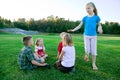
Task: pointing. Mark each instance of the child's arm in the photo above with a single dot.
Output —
(30, 57)
(61, 56)
(100, 30)
(58, 55)
(37, 54)
(76, 28)
(37, 63)
(44, 48)
(59, 49)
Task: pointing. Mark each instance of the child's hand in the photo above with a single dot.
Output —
(69, 30)
(100, 30)
(45, 63)
(39, 56)
(58, 61)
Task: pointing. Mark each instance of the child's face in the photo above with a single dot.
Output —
(89, 9)
(63, 37)
(40, 42)
(30, 42)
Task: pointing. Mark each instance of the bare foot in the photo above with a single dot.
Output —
(86, 58)
(95, 67)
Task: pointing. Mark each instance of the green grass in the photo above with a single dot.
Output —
(108, 59)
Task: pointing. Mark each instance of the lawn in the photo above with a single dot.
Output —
(108, 59)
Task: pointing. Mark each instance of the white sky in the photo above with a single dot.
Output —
(73, 9)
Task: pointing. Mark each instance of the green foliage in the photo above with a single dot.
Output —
(55, 25)
(111, 28)
(1, 23)
(4, 23)
(21, 25)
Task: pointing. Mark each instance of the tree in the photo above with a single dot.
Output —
(21, 25)
(8, 23)
(55, 25)
(1, 22)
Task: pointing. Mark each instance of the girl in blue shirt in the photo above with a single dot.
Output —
(90, 34)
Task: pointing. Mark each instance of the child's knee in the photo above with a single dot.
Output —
(42, 60)
(46, 55)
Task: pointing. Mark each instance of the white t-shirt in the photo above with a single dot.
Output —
(39, 48)
(68, 59)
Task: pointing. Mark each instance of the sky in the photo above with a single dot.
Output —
(108, 10)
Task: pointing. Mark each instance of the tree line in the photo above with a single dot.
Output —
(54, 24)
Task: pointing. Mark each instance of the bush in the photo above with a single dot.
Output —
(55, 25)
(21, 25)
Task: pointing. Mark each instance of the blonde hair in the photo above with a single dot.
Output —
(67, 40)
(39, 39)
(62, 34)
(95, 9)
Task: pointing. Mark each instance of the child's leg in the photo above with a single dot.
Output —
(94, 52)
(45, 56)
(87, 47)
(94, 46)
(36, 57)
(57, 65)
(42, 60)
(58, 55)
(94, 63)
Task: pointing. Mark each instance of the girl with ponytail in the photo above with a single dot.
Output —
(90, 34)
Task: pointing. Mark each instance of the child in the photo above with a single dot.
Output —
(90, 34)
(40, 50)
(67, 56)
(26, 58)
(60, 46)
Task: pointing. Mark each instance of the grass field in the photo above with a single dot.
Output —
(108, 59)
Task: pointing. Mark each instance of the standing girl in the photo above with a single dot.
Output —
(90, 35)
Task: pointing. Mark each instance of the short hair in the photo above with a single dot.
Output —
(26, 40)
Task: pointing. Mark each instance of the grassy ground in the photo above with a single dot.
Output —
(108, 59)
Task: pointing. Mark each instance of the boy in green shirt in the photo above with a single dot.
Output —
(26, 58)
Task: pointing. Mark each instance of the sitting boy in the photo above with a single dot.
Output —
(26, 58)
